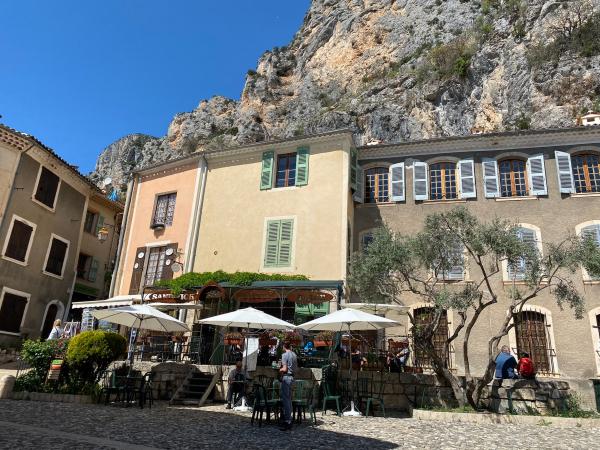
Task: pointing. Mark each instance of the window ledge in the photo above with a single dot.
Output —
(586, 194)
(60, 277)
(279, 189)
(438, 202)
(43, 205)
(16, 261)
(373, 205)
(516, 199)
(591, 282)
(10, 333)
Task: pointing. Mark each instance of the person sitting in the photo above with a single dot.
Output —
(525, 367)
(505, 364)
(235, 382)
(358, 361)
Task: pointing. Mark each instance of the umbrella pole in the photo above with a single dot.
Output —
(353, 411)
(244, 406)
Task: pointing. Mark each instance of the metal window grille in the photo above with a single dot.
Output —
(165, 209)
(156, 264)
(513, 178)
(533, 336)
(424, 317)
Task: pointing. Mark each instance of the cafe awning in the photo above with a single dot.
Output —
(119, 300)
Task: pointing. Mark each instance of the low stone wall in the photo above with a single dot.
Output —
(7, 356)
(47, 397)
(526, 396)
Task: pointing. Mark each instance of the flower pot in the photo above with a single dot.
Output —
(263, 342)
(232, 341)
(323, 343)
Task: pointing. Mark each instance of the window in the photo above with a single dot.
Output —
(286, 170)
(278, 246)
(586, 173)
(454, 269)
(13, 305)
(90, 221)
(513, 178)
(365, 240)
(165, 209)
(47, 188)
(518, 270)
(18, 243)
(83, 265)
(156, 265)
(376, 185)
(442, 181)
(56, 256)
(593, 232)
(424, 317)
(531, 332)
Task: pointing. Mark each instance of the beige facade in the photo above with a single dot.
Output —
(177, 184)
(236, 211)
(9, 158)
(571, 346)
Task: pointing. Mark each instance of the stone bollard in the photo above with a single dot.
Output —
(7, 383)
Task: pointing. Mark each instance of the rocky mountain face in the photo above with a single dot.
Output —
(396, 70)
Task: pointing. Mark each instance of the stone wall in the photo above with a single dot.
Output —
(8, 355)
(526, 396)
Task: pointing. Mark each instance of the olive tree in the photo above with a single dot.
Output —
(396, 266)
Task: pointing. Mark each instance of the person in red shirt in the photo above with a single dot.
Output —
(525, 367)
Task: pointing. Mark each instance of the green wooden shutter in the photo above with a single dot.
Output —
(302, 166)
(93, 272)
(266, 174)
(272, 243)
(284, 258)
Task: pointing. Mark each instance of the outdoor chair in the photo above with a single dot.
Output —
(329, 378)
(146, 393)
(300, 400)
(111, 385)
(260, 404)
(366, 389)
(274, 398)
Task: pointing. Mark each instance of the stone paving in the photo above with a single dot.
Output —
(40, 425)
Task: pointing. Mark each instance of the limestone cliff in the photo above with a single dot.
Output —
(396, 70)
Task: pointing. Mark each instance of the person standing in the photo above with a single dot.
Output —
(289, 366)
(57, 331)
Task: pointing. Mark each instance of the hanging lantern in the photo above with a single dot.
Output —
(102, 234)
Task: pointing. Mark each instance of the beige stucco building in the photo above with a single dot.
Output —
(547, 181)
(44, 210)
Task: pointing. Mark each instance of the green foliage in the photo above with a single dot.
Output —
(574, 409)
(251, 73)
(193, 279)
(581, 40)
(91, 352)
(38, 355)
(452, 59)
(523, 122)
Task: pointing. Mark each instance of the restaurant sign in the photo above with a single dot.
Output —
(308, 297)
(167, 296)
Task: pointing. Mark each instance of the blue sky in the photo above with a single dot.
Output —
(80, 74)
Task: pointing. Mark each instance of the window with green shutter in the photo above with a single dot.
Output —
(302, 166)
(279, 241)
(266, 174)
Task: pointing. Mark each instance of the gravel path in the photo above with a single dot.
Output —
(40, 425)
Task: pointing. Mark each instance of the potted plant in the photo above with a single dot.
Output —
(324, 339)
(294, 337)
(234, 338)
(266, 339)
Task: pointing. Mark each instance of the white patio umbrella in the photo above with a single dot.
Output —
(248, 318)
(351, 320)
(142, 317)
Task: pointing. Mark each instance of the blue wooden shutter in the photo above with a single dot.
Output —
(286, 231)
(490, 178)
(302, 166)
(266, 174)
(272, 243)
(517, 271)
(537, 175)
(397, 182)
(420, 187)
(565, 172)
(466, 175)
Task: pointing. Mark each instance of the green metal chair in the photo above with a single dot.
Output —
(274, 397)
(373, 397)
(260, 405)
(301, 400)
(329, 381)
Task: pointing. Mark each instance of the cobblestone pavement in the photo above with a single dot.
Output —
(40, 425)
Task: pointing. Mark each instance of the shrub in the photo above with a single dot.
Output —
(38, 355)
(523, 122)
(90, 353)
(453, 58)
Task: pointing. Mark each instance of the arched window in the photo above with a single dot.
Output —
(532, 336)
(586, 172)
(423, 317)
(513, 178)
(54, 310)
(377, 185)
(442, 181)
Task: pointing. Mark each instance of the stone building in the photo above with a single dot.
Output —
(44, 205)
(548, 181)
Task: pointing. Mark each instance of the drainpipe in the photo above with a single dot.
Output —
(195, 228)
(111, 290)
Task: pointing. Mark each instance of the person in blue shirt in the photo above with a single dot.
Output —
(505, 364)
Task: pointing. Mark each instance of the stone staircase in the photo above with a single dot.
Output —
(197, 389)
